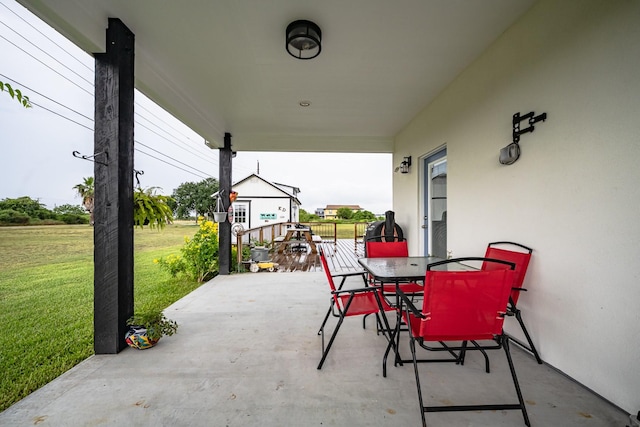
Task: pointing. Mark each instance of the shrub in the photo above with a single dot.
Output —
(74, 218)
(199, 259)
(13, 217)
(173, 264)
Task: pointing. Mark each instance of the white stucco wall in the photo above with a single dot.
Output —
(574, 195)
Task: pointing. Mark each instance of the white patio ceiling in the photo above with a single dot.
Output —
(221, 66)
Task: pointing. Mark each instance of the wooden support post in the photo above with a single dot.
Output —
(224, 228)
(113, 170)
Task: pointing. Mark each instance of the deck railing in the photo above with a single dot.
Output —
(328, 231)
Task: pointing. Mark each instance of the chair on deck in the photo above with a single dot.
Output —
(351, 302)
(520, 258)
(462, 306)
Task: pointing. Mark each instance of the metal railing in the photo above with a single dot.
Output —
(328, 231)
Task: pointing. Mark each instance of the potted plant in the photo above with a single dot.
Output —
(146, 329)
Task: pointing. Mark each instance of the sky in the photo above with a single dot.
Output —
(36, 144)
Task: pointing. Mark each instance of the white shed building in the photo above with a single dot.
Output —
(261, 202)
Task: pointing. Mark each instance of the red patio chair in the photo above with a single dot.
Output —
(520, 257)
(461, 306)
(352, 302)
(397, 248)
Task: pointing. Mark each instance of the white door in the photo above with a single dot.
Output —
(241, 214)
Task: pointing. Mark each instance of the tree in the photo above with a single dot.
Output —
(344, 213)
(15, 94)
(69, 210)
(192, 196)
(308, 217)
(364, 216)
(27, 205)
(86, 191)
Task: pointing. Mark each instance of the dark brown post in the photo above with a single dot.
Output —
(224, 228)
(113, 229)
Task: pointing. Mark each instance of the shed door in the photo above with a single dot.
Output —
(241, 214)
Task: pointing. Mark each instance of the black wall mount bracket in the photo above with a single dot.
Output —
(511, 153)
(532, 119)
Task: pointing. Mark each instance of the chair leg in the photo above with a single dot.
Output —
(325, 351)
(412, 345)
(324, 322)
(486, 357)
(532, 347)
(505, 346)
(364, 321)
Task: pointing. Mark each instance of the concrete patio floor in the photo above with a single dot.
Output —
(246, 354)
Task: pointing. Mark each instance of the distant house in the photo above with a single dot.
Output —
(320, 213)
(331, 211)
(261, 202)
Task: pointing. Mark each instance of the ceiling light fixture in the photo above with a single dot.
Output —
(304, 103)
(303, 39)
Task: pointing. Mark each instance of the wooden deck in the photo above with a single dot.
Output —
(341, 257)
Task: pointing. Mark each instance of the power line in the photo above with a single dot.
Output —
(46, 37)
(175, 160)
(44, 96)
(198, 155)
(177, 167)
(199, 151)
(156, 116)
(136, 149)
(61, 115)
(57, 72)
(91, 119)
(46, 53)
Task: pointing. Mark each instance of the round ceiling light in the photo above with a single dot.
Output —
(304, 39)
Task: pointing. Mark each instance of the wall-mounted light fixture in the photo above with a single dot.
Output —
(304, 39)
(405, 165)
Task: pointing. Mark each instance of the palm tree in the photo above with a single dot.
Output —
(85, 190)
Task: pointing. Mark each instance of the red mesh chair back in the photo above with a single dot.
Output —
(520, 255)
(325, 267)
(520, 259)
(463, 305)
(387, 249)
(392, 250)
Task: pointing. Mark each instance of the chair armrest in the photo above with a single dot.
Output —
(410, 307)
(353, 273)
(357, 290)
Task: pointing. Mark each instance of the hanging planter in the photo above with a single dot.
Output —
(220, 215)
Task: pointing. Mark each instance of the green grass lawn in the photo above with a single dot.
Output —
(46, 297)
